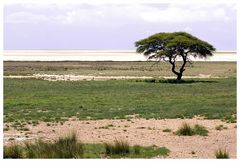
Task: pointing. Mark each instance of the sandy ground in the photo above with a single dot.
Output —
(142, 132)
(96, 55)
(92, 77)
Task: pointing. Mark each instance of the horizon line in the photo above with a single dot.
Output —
(103, 50)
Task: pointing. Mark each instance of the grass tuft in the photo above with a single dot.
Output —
(13, 152)
(222, 154)
(231, 118)
(187, 130)
(200, 130)
(67, 147)
(167, 130)
(220, 127)
(118, 147)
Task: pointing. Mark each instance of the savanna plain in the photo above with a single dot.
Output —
(119, 110)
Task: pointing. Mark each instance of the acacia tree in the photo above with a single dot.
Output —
(175, 46)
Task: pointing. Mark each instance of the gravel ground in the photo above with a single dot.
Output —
(139, 131)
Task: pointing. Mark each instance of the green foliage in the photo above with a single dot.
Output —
(221, 154)
(24, 99)
(170, 46)
(187, 130)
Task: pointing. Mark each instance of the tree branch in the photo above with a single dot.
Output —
(184, 57)
(173, 65)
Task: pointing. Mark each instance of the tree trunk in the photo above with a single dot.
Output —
(179, 76)
(181, 70)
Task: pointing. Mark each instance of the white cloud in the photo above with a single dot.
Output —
(111, 1)
(25, 17)
(179, 13)
(120, 13)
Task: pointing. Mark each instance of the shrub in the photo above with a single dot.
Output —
(220, 154)
(13, 152)
(118, 147)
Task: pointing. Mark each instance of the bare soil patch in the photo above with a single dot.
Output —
(139, 131)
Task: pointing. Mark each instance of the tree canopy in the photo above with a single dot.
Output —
(172, 46)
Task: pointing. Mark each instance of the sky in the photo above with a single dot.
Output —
(115, 26)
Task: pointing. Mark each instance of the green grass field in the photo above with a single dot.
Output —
(30, 101)
(39, 100)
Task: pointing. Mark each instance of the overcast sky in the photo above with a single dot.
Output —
(52, 25)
